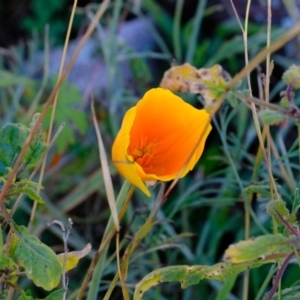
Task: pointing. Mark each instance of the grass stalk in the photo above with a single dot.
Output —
(97, 265)
(177, 30)
(54, 109)
(191, 49)
(247, 213)
(140, 234)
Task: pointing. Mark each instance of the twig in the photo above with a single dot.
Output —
(277, 277)
(65, 236)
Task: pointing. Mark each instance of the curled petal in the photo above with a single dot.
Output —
(122, 161)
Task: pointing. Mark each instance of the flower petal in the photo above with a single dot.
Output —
(122, 161)
(164, 133)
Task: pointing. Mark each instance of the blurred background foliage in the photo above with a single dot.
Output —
(205, 213)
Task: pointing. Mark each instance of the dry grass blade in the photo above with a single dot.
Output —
(54, 109)
(261, 56)
(108, 188)
(106, 174)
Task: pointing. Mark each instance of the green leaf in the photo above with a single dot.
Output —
(240, 257)
(36, 149)
(271, 117)
(258, 248)
(12, 139)
(296, 202)
(8, 79)
(29, 191)
(24, 295)
(7, 264)
(67, 112)
(227, 287)
(278, 206)
(190, 275)
(232, 99)
(72, 258)
(292, 76)
(38, 260)
(56, 295)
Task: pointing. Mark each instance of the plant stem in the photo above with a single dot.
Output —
(97, 265)
(176, 29)
(278, 276)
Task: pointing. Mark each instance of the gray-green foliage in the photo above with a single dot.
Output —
(12, 138)
(38, 260)
(239, 257)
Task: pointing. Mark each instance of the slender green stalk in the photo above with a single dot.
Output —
(140, 234)
(247, 213)
(248, 199)
(265, 283)
(196, 29)
(240, 183)
(177, 30)
(39, 94)
(99, 266)
(266, 90)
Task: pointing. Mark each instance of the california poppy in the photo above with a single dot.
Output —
(157, 137)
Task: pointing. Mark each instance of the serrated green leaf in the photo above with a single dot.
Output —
(65, 138)
(278, 206)
(14, 134)
(271, 117)
(68, 113)
(38, 260)
(36, 149)
(78, 117)
(12, 139)
(258, 248)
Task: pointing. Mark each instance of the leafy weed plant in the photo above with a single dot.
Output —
(233, 221)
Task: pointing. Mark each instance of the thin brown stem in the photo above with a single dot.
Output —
(102, 247)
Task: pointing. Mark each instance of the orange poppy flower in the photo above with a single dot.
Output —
(157, 137)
